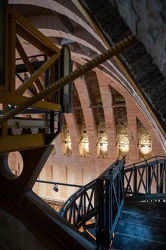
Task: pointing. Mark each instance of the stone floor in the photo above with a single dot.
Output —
(142, 226)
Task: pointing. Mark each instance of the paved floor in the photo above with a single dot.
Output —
(142, 226)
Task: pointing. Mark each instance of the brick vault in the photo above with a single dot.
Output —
(118, 107)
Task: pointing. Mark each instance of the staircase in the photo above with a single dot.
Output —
(142, 225)
(124, 208)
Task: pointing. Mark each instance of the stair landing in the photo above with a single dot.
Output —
(142, 226)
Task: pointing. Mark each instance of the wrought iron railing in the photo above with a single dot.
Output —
(146, 180)
(110, 190)
(98, 203)
(81, 206)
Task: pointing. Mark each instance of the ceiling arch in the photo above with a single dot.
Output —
(84, 44)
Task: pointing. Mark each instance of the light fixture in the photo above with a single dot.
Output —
(68, 146)
(123, 143)
(145, 148)
(124, 147)
(55, 188)
(102, 142)
(84, 144)
(103, 145)
(145, 145)
(85, 148)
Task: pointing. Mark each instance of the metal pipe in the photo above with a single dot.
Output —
(121, 46)
(59, 183)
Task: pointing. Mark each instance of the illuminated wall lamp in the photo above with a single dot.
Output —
(103, 145)
(85, 147)
(124, 147)
(67, 142)
(145, 148)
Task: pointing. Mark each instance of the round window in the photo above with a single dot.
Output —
(12, 165)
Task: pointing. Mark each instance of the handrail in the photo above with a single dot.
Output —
(144, 180)
(110, 190)
(80, 205)
(147, 160)
(101, 200)
(69, 202)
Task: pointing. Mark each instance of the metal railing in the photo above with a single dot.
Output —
(110, 202)
(98, 203)
(146, 180)
(81, 206)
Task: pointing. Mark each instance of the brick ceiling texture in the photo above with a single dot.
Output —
(105, 101)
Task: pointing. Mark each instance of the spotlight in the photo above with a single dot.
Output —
(55, 188)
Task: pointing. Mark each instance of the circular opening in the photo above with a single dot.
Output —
(12, 165)
(15, 163)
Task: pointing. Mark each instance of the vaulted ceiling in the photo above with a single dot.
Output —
(122, 100)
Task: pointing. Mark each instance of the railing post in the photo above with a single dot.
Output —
(102, 236)
(122, 175)
(135, 181)
(109, 211)
(100, 207)
(149, 179)
(161, 188)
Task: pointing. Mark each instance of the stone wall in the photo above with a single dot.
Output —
(147, 19)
